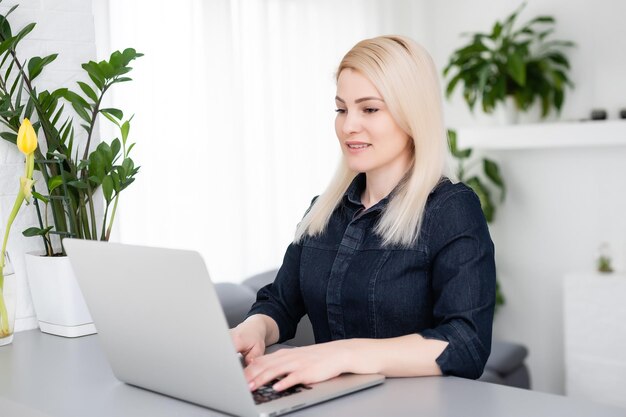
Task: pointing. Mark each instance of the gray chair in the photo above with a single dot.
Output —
(505, 365)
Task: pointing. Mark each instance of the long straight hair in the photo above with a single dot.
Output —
(404, 74)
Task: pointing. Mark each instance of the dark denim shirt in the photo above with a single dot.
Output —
(442, 287)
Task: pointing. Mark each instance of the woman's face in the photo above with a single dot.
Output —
(370, 139)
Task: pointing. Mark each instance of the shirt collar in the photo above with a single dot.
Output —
(357, 186)
(355, 191)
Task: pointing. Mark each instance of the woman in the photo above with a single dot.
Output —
(393, 263)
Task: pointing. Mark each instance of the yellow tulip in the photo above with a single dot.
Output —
(26, 138)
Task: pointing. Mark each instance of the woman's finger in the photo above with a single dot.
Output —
(289, 381)
(261, 371)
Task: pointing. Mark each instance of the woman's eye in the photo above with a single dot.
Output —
(341, 111)
(370, 110)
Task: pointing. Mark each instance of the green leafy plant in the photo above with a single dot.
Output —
(507, 62)
(604, 264)
(484, 182)
(73, 172)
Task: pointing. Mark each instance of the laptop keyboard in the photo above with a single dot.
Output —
(266, 393)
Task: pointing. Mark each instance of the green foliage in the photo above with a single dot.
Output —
(73, 174)
(482, 182)
(604, 264)
(519, 63)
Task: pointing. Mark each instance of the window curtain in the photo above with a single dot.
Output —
(234, 119)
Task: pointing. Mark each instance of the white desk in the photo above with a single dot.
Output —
(43, 375)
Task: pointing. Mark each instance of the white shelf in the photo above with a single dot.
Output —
(544, 135)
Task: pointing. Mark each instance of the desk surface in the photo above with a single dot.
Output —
(43, 375)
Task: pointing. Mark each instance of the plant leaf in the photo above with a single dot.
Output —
(22, 33)
(79, 184)
(454, 150)
(483, 195)
(10, 136)
(37, 64)
(492, 171)
(115, 147)
(88, 91)
(35, 231)
(40, 197)
(94, 72)
(107, 188)
(125, 129)
(516, 68)
(117, 113)
(54, 182)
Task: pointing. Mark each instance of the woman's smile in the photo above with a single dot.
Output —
(356, 147)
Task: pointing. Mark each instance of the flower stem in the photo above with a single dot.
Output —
(4, 315)
(4, 318)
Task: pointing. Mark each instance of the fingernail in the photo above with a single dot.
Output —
(251, 385)
(277, 386)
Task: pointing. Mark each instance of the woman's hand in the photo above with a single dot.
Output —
(251, 336)
(303, 365)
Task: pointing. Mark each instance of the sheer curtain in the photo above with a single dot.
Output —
(234, 119)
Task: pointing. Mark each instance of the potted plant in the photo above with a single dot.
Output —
(483, 182)
(508, 64)
(79, 176)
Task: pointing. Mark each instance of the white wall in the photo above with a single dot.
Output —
(562, 203)
(65, 27)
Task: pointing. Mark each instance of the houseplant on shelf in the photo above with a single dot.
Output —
(512, 66)
(483, 182)
(78, 178)
(27, 144)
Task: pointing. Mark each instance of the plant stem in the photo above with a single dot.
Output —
(108, 234)
(4, 319)
(4, 315)
(94, 114)
(46, 237)
(83, 215)
(106, 213)
(92, 213)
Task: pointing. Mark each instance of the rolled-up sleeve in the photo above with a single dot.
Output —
(282, 299)
(463, 283)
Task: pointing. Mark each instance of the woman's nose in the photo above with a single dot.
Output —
(351, 123)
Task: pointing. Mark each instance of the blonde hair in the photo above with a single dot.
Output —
(404, 74)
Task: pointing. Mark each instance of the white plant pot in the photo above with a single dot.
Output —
(507, 112)
(58, 301)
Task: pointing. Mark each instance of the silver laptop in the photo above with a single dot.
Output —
(162, 328)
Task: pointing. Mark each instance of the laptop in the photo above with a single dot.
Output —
(162, 328)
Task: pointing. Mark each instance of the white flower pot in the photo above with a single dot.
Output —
(58, 301)
(507, 112)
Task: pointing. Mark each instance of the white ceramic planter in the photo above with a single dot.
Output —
(58, 301)
(507, 112)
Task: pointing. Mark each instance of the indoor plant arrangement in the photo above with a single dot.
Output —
(78, 176)
(482, 182)
(519, 64)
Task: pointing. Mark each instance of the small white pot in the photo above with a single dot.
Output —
(507, 112)
(58, 301)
